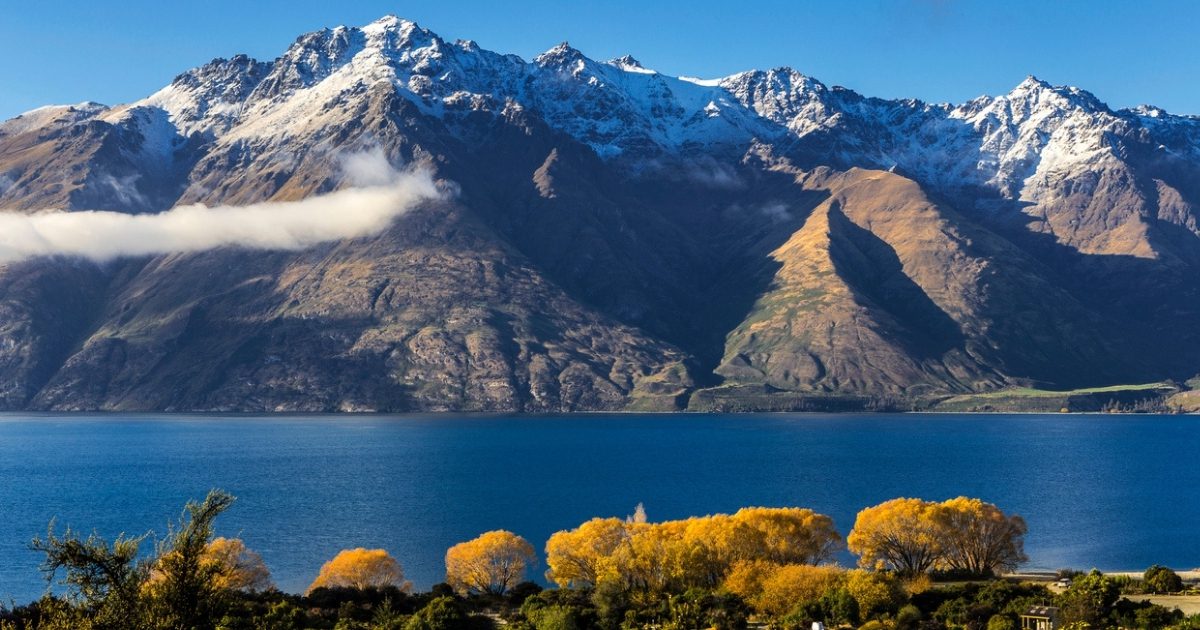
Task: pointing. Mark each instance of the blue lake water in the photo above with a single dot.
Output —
(1113, 492)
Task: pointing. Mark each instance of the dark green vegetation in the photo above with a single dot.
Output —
(108, 586)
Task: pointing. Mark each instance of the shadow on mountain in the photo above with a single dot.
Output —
(1124, 326)
(873, 270)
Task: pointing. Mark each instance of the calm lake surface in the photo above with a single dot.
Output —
(1113, 492)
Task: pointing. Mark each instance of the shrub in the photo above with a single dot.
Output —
(1160, 579)
(1001, 622)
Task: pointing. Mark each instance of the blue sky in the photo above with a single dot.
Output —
(1127, 53)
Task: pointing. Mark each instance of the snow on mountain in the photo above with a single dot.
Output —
(49, 116)
(1017, 144)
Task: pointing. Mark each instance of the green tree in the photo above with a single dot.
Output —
(1089, 600)
(1001, 622)
(189, 592)
(1160, 579)
(103, 580)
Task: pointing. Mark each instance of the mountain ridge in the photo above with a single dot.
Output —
(761, 229)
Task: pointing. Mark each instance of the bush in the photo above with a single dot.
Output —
(908, 618)
(443, 613)
(1160, 579)
(560, 609)
(1001, 622)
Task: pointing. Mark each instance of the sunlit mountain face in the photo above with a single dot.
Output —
(595, 236)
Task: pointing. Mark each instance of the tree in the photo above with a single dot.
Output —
(492, 563)
(745, 579)
(103, 580)
(710, 546)
(792, 535)
(178, 589)
(189, 590)
(1089, 600)
(361, 569)
(791, 584)
(652, 560)
(1001, 622)
(1160, 579)
(978, 538)
(901, 535)
(875, 593)
(577, 557)
(240, 568)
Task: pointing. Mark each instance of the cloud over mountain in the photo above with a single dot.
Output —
(380, 194)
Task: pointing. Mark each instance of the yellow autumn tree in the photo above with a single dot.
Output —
(792, 535)
(711, 545)
(652, 559)
(785, 586)
(361, 569)
(230, 565)
(693, 552)
(978, 538)
(745, 578)
(902, 535)
(874, 592)
(492, 563)
(241, 568)
(578, 557)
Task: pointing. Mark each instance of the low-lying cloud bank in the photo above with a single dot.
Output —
(382, 195)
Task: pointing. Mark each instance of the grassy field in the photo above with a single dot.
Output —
(1026, 399)
(1189, 604)
(1047, 393)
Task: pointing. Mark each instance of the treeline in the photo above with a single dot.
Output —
(761, 567)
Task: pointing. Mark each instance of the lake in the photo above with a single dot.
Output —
(1113, 492)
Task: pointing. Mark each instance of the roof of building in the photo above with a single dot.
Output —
(1041, 611)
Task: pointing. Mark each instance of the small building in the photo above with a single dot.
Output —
(1040, 618)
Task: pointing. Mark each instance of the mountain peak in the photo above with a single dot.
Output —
(560, 55)
(626, 61)
(629, 64)
(1031, 82)
(1033, 89)
(390, 22)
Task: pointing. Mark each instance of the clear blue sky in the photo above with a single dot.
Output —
(1127, 53)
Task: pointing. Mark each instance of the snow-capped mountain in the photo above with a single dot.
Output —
(763, 226)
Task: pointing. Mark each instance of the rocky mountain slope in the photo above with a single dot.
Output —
(617, 239)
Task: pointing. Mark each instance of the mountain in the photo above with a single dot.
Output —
(618, 239)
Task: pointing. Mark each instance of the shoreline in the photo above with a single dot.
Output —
(551, 414)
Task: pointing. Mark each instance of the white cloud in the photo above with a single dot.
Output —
(382, 195)
(713, 174)
(776, 211)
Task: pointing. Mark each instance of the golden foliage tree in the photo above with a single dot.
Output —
(912, 536)
(361, 569)
(874, 592)
(492, 563)
(793, 535)
(228, 562)
(694, 552)
(745, 578)
(902, 535)
(240, 569)
(790, 584)
(577, 558)
(980, 539)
